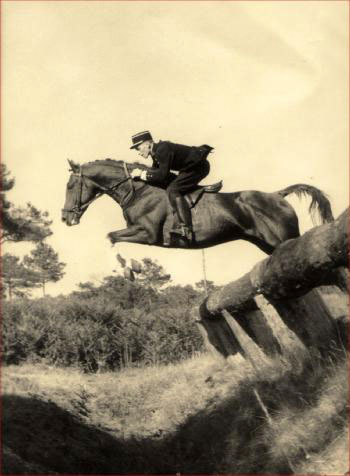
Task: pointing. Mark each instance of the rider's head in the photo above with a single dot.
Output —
(143, 143)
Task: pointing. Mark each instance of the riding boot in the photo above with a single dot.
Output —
(185, 220)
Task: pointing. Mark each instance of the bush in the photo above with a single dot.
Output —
(97, 331)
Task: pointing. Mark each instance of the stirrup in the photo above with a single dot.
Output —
(184, 232)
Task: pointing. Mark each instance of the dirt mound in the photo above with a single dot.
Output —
(197, 417)
(41, 437)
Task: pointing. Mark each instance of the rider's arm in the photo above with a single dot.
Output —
(163, 158)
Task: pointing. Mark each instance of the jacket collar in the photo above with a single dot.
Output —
(154, 148)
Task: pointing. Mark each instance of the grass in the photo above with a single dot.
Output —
(198, 416)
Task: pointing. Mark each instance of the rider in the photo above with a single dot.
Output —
(190, 162)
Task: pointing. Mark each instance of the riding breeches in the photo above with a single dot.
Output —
(187, 180)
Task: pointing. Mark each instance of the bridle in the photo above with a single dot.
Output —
(79, 208)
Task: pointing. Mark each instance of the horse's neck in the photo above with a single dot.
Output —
(131, 184)
(110, 175)
(125, 189)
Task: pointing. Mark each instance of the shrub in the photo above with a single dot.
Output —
(96, 331)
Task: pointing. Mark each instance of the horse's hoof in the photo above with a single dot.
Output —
(111, 238)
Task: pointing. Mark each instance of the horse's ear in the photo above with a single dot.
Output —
(73, 166)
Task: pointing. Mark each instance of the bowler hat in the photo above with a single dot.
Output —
(137, 139)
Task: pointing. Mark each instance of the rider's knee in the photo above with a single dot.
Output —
(173, 193)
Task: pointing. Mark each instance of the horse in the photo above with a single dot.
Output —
(262, 218)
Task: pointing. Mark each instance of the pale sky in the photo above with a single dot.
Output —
(265, 83)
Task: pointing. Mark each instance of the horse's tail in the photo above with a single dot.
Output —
(319, 200)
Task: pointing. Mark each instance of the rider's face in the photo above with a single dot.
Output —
(144, 149)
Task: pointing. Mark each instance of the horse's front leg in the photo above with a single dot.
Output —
(132, 234)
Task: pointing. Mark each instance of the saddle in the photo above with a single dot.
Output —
(193, 197)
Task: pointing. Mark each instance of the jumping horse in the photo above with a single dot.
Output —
(264, 219)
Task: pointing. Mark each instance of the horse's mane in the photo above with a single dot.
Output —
(118, 163)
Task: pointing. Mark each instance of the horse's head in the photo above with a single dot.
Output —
(80, 192)
(89, 181)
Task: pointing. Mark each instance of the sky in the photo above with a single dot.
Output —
(264, 82)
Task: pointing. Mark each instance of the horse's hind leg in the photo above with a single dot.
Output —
(264, 246)
(272, 234)
(274, 221)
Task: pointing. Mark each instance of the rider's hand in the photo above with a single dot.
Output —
(136, 173)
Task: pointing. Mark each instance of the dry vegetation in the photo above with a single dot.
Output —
(92, 387)
(198, 416)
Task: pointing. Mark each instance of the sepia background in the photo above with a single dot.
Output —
(265, 83)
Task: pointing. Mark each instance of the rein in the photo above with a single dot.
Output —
(78, 208)
(126, 200)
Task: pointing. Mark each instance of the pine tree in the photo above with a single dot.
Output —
(20, 223)
(206, 286)
(153, 274)
(16, 277)
(43, 262)
(150, 274)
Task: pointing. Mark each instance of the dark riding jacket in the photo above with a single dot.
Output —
(168, 156)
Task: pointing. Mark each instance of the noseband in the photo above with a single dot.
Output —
(78, 208)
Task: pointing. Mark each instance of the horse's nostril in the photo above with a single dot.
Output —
(63, 218)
